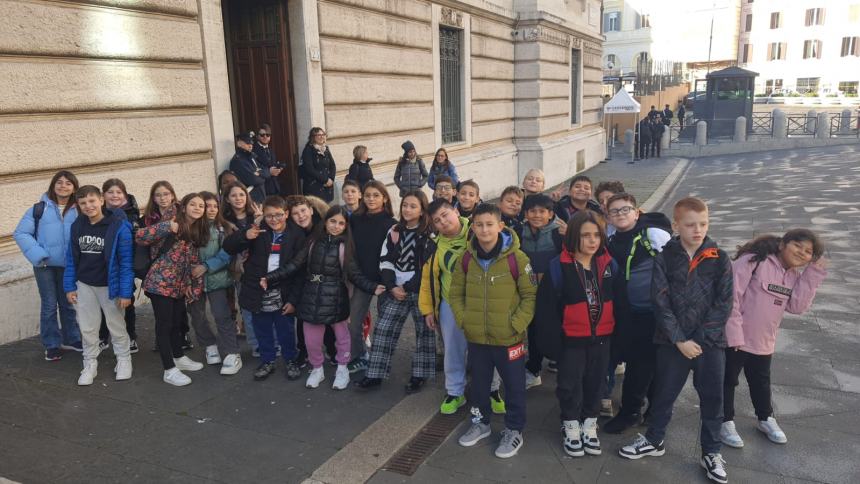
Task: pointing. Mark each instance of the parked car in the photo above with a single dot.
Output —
(691, 98)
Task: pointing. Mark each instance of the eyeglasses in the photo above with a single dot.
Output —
(265, 134)
(444, 188)
(275, 216)
(621, 211)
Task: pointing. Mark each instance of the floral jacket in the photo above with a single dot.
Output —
(170, 274)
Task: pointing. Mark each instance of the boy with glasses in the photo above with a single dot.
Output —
(444, 189)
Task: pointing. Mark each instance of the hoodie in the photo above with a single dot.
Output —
(118, 254)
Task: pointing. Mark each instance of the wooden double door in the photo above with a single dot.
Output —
(261, 84)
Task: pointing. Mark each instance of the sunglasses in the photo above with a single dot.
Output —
(265, 134)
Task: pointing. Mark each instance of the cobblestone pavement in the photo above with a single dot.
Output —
(816, 369)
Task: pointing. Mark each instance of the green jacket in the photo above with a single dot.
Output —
(488, 304)
(216, 261)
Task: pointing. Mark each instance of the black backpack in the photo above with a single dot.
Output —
(38, 211)
(143, 261)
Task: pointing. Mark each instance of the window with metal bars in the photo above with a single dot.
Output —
(450, 47)
(575, 81)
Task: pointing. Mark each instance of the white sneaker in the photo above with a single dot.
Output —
(532, 380)
(606, 407)
(176, 378)
(341, 378)
(620, 369)
(572, 438)
(212, 356)
(316, 377)
(88, 374)
(232, 364)
(590, 442)
(123, 369)
(187, 364)
(772, 430)
(729, 435)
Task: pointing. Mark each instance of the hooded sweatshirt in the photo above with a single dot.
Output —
(436, 275)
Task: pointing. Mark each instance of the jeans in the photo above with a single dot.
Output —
(455, 352)
(756, 368)
(266, 326)
(581, 377)
(93, 301)
(483, 360)
(49, 281)
(359, 304)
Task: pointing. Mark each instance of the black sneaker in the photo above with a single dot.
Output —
(715, 466)
(415, 384)
(552, 366)
(302, 361)
(621, 422)
(294, 371)
(53, 354)
(356, 365)
(76, 346)
(103, 345)
(368, 383)
(186, 342)
(264, 370)
(132, 347)
(641, 448)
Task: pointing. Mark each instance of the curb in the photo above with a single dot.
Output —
(665, 188)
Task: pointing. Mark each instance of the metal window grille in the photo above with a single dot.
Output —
(575, 61)
(451, 83)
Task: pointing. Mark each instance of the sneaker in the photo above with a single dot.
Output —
(187, 364)
(552, 366)
(103, 345)
(496, 402)
(341, 378)
(264, 370)
(78, 346)
(451, 404)
(301, 362)
(333, 361)
(511, 443)
(729, 435)
(620, 369)
(356, 365)
(212, 356)
(53, 354)
(621, 422)
(572, 438)
(175, 377)
(255, 352)
(315, 378)
(772, 430)
(590, 442)
(232, 364)
(123, 369)
(715, 466)
(641, 448)
(532, 380)
(474, 434)
(186, 342)
(415, 384)
(88, 374)
(293, 371)
(132, 347)
(606, 407)
(368, 383)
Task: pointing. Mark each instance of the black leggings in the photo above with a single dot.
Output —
(757, 371)
(168, 327)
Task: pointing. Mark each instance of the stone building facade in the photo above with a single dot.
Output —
(146, 90)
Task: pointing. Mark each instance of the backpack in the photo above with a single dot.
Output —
(143, 261)
(38, 211)
(655, 220)
(512, 264)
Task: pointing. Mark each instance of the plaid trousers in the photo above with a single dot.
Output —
(386, 332)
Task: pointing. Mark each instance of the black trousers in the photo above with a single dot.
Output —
(640, 354)
(328, 340)
(534, 364)
(581, 377)
(644, 148)
(482, 359)
(655, 147)
(757, 371)
(168, 327)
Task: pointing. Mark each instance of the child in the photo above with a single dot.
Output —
(510, 204)
(329, 265)
(270, 245)
(635, 244)
(442, 166)
(444, 189)
(174, 246)
(216, 281)
(225, 178)
(369, 226)
(534, 182)
(451, 242)
(468, 197)
(493, 306)
(767, 282)
(541, 242)
(99, 277)
(350, 193)
(577, 297)
(410, 173)
(602, 194)
(692, 295)
(407, 246)
(360, 171)
(578, 198)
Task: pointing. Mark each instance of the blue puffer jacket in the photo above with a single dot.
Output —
(50, 248)
(119, 256)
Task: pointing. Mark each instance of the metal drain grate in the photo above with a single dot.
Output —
(407, 460)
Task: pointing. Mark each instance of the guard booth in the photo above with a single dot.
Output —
(729, 93)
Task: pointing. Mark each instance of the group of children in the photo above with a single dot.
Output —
(583, 283)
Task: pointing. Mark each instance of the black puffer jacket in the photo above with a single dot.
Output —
(316, 170)
(324, 298)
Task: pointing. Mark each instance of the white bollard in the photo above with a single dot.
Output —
(779, 126)
(701, 133)
(740, 130)
(664, 140)
(628, 141)
(823, 131)
(810, 124)
(845, 121)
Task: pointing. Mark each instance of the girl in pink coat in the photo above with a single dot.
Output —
(771, 275)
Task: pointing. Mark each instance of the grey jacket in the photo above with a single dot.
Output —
(410, 175)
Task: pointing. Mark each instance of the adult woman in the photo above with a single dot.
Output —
(43, 237)
(317, 167)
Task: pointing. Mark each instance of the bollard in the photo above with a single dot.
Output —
(701, 133)
(779, 126)
(740, 130)
(823, 131)
(845, 121)
(628, 141)
(809, 127)
(664, 140)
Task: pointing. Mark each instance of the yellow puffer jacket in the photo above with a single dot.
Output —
(436, 273)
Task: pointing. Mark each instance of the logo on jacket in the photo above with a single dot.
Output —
(785, 291)
(607, 272)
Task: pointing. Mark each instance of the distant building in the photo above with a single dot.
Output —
(802, 47)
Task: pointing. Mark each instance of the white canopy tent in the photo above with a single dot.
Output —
(621, 103)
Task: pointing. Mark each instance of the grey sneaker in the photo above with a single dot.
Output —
(476, 432)
(511, 443)
(772, 430)
(729, 435)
